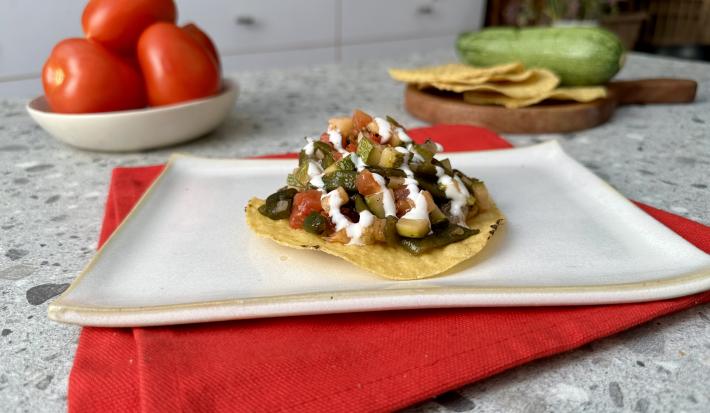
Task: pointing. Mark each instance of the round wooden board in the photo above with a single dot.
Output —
(439, 107)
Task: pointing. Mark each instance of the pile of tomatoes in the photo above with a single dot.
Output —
(134, 55)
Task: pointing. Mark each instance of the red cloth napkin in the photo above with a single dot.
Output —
(375, 361)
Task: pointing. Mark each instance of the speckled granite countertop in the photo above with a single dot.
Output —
(52, 198)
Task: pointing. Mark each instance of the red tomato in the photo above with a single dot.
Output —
(360, 119)
(303, 204)
(81, 76)
(204, 40)
(176, 67)
(119, 23)
(366, 184)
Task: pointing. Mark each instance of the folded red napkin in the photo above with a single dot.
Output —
(375, 361)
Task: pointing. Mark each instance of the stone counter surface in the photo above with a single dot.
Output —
(52, 198)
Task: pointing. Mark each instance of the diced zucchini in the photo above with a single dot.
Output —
(413, 228)
(376, 205)
(390, 158)
(343, 164)
(360, 204)
(368, 151)
(346, 179)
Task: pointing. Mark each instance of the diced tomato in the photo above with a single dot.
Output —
(366, 183)
(303, 204)
(376, 138)
(352, 146)
(360, 119)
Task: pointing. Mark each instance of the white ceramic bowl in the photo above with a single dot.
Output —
(134, 130)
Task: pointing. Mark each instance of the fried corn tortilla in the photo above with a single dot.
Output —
(389, 262)
(578, 94)
(454, 72)
(540, 82)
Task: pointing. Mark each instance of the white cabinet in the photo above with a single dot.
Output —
(372, 21)
(258, 26)
(251, 34)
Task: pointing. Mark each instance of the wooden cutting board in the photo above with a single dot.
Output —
(556, 117)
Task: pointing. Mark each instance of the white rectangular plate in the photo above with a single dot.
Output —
(185, 253)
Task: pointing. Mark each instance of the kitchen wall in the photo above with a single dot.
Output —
(251, 34)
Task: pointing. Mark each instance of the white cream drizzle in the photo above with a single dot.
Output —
(355, 230)
(309, 148)
(387, 197)
(402, 135)
(420, 209)
(315, 172)
(336, 139)
(457, 192)
(383, 128)
(352, 229)
(359, 164)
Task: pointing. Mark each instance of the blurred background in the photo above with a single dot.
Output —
(263, 34)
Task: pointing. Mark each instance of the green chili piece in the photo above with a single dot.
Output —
(452, 233)
(278, 205)
(314, 223)
(346, 179)
(323, 152)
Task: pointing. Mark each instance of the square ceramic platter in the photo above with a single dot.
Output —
(185, 253)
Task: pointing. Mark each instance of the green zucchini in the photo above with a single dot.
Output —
(580, 56)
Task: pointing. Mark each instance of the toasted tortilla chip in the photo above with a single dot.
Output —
(453, 72)
(538, 83)
(512, 77)
(578, 94)
(389, 262)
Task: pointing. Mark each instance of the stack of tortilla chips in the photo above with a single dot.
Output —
(509, 85)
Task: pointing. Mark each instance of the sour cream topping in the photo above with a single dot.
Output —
(387, 197)
(420, 209)
(315, 172)
(309, 148)
(359, 164)
(336, 139)
(352, 229)
(383, 128)
(402, 135)
(457, 192)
